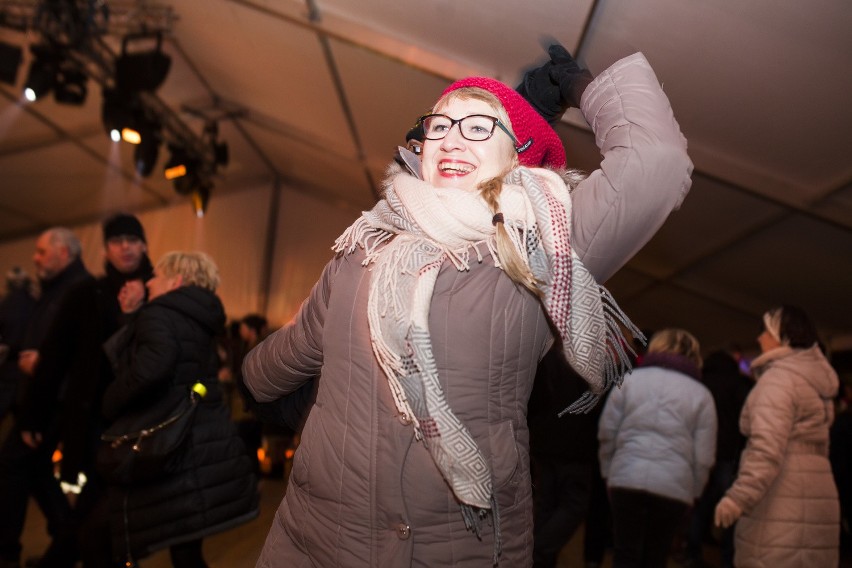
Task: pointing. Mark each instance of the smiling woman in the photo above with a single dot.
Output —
(427, 327)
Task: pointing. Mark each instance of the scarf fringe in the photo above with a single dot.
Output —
(620, 357)
(473, 520)
(406, 238)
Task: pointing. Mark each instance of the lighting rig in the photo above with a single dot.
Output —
(72, 48)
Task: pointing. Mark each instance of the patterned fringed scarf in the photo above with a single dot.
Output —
(407, 236)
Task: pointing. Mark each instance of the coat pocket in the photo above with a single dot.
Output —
(505, 459)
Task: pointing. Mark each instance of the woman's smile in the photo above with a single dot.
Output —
(454, 168)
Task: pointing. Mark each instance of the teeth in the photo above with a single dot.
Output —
(459, 168)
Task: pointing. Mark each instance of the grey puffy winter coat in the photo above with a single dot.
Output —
(791, 515)
(363, 491)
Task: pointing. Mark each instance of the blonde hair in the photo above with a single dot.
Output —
(511, 261)
(677, 341)
(195, 268)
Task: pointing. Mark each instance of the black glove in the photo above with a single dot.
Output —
(556, 86)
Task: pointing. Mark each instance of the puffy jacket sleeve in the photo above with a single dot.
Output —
(292, 355)
(608, 426)
(645, 172)
(705, 444)
(152, 361)
(768, 422)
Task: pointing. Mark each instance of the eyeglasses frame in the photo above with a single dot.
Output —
(453, 122)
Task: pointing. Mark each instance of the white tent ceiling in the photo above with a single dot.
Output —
(322, 91)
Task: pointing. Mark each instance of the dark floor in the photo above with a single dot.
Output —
(240, 547)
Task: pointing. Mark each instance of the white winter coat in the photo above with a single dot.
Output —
(658, 434)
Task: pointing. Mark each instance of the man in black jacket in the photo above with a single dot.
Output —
(26, 470)
(73, 370)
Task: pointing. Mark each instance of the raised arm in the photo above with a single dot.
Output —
(645, 173)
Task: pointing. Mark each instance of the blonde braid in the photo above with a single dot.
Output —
(512, 263)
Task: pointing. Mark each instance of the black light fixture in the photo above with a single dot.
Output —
(10, 61)
(220, 153)
(180, 164)
(146, 152)
(42, 74)
(122, 114)
(201, 198)
(70, 87)
(141, 67)
(220, 149)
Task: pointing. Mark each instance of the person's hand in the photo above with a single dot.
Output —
(556, 86)
(31, 439)
(727, 513)
(27, 361)
(131, 296)
(567, 73)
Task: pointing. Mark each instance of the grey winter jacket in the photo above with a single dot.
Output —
(362, 491)
(791, 514)
(658, 434)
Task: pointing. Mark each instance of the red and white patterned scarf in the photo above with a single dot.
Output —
(408, 235)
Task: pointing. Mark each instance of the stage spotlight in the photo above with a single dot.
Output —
(122, 115)
(115, 113)
(70, 86)
(140, 67)
(42, 75)
(201, 198)
(10, 61)
(131, 135)
(146, 152)
(220, 152)
(180, 165)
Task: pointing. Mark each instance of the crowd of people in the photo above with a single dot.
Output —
(450, 376)
(94, 350)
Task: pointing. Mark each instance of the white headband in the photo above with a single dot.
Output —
(772, 323)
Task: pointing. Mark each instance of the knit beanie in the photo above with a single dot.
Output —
(538, 144)
(123, 224)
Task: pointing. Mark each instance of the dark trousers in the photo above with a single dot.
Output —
(598, 534)
(722, 476)
(187, 555)
(95, 538)
(562, 493)
(25, 471)
(644, 527)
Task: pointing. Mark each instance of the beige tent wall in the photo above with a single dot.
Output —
(306, 231)
(234, 232)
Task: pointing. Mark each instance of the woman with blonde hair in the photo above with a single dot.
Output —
(427, 327)
(657, 444)
(166, 349)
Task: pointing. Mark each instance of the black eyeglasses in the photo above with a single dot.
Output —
(476, 127)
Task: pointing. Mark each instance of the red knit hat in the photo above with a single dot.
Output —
(538, 144)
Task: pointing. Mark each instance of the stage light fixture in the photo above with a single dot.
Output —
(146, 152)
(115, 113)
(10, 61)
(181, 164)
(140, 67)
(122, 116)
(220, 153)
(70, 85)
(200, 198)
(42, 74)
(131, 135)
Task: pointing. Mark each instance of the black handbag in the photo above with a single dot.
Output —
(146, 445)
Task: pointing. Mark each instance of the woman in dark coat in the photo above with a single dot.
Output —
(160, 355)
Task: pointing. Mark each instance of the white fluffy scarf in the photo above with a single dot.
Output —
(408, 235)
